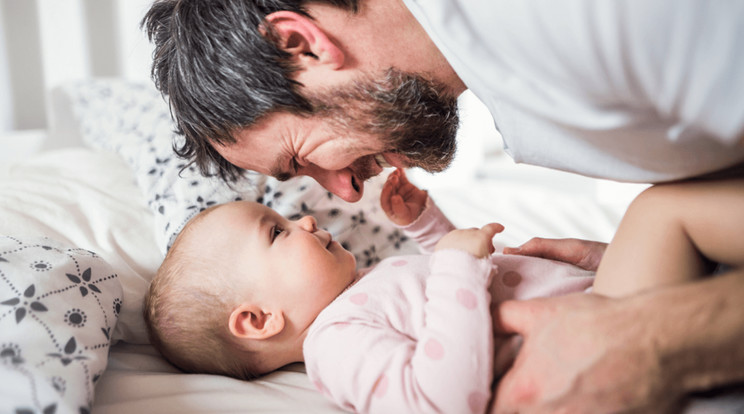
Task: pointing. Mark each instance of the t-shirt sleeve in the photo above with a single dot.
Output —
(366, 365)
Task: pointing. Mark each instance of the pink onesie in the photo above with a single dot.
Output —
(414, 333)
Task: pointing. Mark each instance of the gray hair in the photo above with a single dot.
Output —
(220, 72)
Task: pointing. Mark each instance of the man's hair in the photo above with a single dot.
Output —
(187, 309)
(219, 65)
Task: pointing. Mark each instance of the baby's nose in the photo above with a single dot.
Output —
(308, 223)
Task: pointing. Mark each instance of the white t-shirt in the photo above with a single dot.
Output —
(630, 90)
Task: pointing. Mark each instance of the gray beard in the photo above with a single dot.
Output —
(411, 115)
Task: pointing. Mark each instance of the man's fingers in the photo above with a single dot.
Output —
(501, 400)
(583, 253)
(515, 317)
(537, 247)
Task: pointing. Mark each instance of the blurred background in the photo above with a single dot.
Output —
(44, 43)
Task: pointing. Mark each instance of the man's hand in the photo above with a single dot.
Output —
(477, 242)
(402, 201)
(581, 353)
(582, 253)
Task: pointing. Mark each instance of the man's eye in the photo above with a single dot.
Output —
(276, 231)
(295, 165)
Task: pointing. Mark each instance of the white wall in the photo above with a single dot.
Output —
(44, 43)
(23, 64)
(6, 110)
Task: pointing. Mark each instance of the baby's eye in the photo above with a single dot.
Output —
(275, 231)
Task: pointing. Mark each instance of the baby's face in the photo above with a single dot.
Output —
(291, 263)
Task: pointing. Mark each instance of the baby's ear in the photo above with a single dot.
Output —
(249, 321)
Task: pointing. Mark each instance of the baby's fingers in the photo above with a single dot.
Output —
(491, 230)
(385, 196)
(401, 174)
(399, 207)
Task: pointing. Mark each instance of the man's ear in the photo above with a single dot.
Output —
(300, 36)
(251, 322)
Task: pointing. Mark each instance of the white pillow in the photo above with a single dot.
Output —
(58, 308)
(87, 199)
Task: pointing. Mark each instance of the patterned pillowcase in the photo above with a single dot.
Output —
(133, 120)
(58, 307)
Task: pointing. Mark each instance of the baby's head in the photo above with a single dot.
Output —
(239, 288)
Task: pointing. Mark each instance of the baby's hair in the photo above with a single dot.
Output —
(187, 309)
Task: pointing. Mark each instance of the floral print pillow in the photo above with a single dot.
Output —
(58, 308)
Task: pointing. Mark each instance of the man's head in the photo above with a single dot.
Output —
(227, 301)
(261, 85)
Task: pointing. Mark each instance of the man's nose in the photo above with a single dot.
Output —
(308, 223)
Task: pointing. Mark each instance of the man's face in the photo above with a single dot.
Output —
(398, 120)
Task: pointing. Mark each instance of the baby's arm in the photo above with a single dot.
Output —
(412, 210)
(367, 365)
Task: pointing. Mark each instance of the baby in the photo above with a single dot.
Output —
(244, 291)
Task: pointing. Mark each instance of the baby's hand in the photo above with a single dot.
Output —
(474, 241)
(402, 201)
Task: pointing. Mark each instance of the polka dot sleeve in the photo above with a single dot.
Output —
(429, 227)
(457, 339)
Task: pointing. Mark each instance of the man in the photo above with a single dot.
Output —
(645, 91)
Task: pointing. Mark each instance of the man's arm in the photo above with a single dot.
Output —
(587, 353)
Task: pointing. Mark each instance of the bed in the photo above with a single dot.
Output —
(91, 203)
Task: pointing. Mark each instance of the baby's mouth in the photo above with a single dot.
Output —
(330, 241)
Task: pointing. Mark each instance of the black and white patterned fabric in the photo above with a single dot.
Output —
(133, 120)
(58, 307)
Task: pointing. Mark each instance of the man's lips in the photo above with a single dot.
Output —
(355, 184)
(370, 166)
